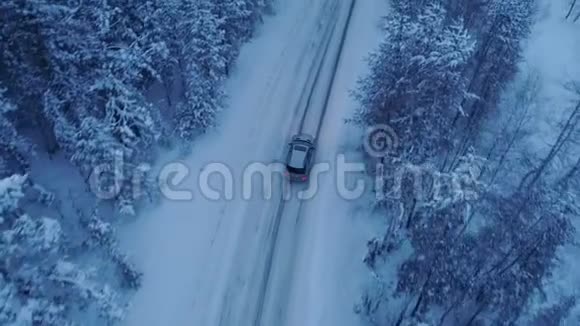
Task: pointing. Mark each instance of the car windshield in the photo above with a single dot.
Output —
(297, 158)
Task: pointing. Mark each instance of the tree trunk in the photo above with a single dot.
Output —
(474, 316)
(421, 294)
(167, 85)
(411, 214)
(563, 182)
(506, 151)
(572, 5)
(46, 131)
(481, 60)
(563, 137)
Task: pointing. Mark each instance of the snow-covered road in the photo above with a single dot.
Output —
(277, 284)
(256, 261)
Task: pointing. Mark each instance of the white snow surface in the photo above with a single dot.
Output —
(204, 260)
(552, 52)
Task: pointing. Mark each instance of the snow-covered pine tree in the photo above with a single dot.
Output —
(416, 81)
(479, 258)
(556, 314)
(138, 31)
(13, 147)
(501, 27)
(82, 70)
(238, 19)
(432, 227)
(38, 286)
(476, 261)
(235, 19)
(132, 50)
(23, 69)
(504, 25)
(78, 286)
(102, 236)
(258, 8)
(96, 103)
(203, 71)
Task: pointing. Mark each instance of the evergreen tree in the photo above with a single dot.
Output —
(38, 286)
(102, 236)
(13, 148)
(416, 83)
(203, 72)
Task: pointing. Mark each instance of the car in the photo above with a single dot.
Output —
(300, 156)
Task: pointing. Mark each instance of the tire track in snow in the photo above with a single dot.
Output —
(309, 86)
(334, 67)
(213, 308)
(231, 304)
(273, 243)
(315, 70)
(281, 64)
(304, 103)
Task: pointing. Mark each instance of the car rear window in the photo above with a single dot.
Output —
(296, 170)
(297, 158)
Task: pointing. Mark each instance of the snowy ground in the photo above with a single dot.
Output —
(328, 272)
(552, 52)
(265, 261)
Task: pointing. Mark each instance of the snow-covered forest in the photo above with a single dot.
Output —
(480, 197)
(75, 84)
(465, 116)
